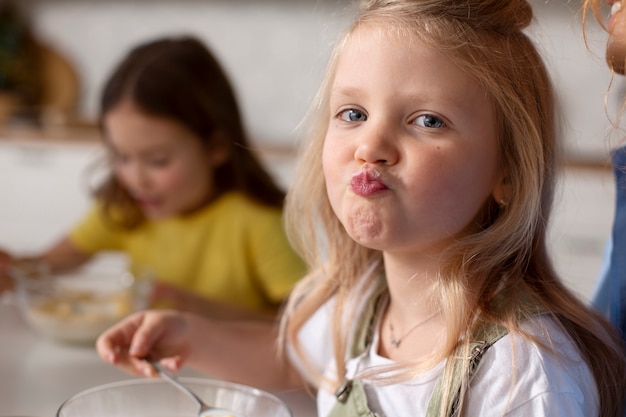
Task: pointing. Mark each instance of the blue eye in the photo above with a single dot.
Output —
(429, 121)
(353, 115)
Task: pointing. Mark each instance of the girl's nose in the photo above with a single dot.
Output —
(376, 145)
(135, 176)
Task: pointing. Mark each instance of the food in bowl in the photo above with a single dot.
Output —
(79, 305)
(154, 397)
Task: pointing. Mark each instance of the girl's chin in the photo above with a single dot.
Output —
(153, 213)
(616, 45)
(616, 56)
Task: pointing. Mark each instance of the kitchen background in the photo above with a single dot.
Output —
(275, 52)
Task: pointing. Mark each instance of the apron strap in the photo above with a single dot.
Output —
(460, 369)
(354, 406)
(365, 328)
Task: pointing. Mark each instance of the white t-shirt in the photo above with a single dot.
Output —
(515, 378)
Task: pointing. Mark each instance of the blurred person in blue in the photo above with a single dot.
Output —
(610, 294)
(187, 199)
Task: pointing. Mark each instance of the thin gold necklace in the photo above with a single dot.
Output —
(396, 342)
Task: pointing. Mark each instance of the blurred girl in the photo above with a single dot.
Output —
(187, 199)
(430, 291)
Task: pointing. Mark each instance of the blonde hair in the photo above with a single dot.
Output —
(593, 6)
(507, 256)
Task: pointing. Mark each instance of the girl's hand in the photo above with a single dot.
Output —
(63, 256)
(242, 351)
(158, 334)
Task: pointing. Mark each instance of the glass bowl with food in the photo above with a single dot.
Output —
(154, 397)
(76, 306)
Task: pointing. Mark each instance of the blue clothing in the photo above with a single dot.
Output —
(601, 296)
(610, 295)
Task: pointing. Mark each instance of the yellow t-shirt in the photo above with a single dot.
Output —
(234, 250)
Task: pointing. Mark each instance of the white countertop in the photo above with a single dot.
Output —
(37, 374)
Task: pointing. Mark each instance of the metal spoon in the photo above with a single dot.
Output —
(204, 409)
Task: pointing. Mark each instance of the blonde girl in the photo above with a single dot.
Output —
(497, 268)
(421, 205)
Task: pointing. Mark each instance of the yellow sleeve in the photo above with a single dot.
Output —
(92, 234)
(277, 265)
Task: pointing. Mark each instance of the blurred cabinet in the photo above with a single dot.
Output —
(44, 189)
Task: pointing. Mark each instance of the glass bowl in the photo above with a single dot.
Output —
(153, 397)
(76, 306)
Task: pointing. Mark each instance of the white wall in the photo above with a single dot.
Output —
(276, 51)
(580, 75)
(44, 190)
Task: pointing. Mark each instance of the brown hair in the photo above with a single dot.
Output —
(179, 78)
(507, 258)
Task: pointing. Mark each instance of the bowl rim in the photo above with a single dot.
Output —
(183, 379)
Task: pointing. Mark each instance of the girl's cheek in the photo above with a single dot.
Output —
(172, 178)
(120, 174)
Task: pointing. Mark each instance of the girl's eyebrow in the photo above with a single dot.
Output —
(423, 95)
(144, 153)
(347, 91)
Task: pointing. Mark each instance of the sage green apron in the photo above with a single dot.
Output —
(351, 397)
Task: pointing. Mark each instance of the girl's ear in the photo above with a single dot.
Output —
(219, 151)
(501, 192)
